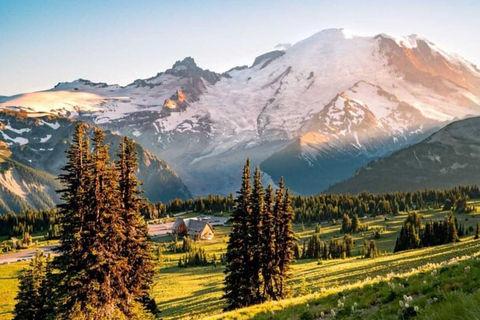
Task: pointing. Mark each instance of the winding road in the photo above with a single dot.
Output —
(25, 254)
(155, 230)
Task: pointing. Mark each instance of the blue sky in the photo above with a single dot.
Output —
(46, 42)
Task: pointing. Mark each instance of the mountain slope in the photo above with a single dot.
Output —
(448, 158)
(378, 93)
(360, 124)
(22, 187)
(41, 143)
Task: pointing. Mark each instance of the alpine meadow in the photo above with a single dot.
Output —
(239, 160)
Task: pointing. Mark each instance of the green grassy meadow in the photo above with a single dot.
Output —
(195, 292)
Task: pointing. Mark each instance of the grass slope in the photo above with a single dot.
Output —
(433, 290)
(195, 292)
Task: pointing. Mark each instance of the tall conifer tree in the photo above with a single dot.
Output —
(261, 245)
(137, 249)
(268, 256)
(238, 290)
(29, 299)
(95, 273)
(256, 238)
(278, 225)
(76, 182)
(287, 241)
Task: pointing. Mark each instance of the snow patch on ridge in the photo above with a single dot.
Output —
(18, 140)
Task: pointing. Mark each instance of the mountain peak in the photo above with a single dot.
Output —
(188, 68)
(339, 33)
(188, 62)
(328, 38)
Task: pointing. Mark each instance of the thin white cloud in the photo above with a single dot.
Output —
(283, 46)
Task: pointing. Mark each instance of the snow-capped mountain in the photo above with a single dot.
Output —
(314, 112)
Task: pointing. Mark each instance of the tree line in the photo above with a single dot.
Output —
(316, 248)
(209, 203)
(30, 221)
(414, 234)
(329, 207)
(307, 209)
(260, 248)
(104, 268)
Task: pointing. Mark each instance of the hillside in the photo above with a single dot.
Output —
(195, 292)
(426, 291)
(23, 187)
(40, 143)
(446, 159)
(318, 110)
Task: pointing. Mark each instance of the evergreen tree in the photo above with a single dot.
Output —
(452, 233)
(356, 224)
(348, 245)
(256, 238)
(278, 223)
(409, 237)
(267, 241)
(95, 267)
(296, 251)
(287, 241)
(314, 248)
(71, 261)
(104, 290)
(30, 302)
(346, 224)
(325, 251)
(238, 291)
(304, 249)
(261, 246)
(428, 238)
(47, 292)
(371, 250)
(136, 248)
